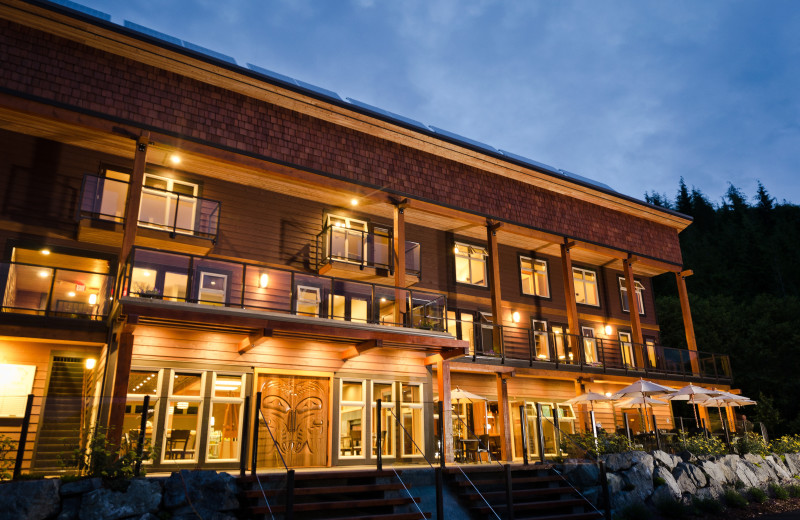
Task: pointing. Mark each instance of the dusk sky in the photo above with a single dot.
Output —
(634, 94)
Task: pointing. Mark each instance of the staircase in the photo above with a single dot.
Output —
(60, 425)
(537, 491)
(325, 495)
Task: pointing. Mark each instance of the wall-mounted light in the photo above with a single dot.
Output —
(92, 299)
(263, 280)
(175, 158)
(354, 201)
(44, 274)
(71, 294)
(90, 363)
(609, 394)
(515, 317)
(608, 330)
(455, 249)
(45, 251)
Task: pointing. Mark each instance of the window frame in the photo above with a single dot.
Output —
(583, 282)
(623, 294)
(212, 400)
(200, 427)
(391, 452)
(363, 404)
(457, 253)
(534, 261)
(406, 405)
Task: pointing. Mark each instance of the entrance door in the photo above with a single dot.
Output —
(296, 409)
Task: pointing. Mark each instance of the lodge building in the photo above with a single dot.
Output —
(179, 226)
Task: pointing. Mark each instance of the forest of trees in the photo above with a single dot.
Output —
(744, 294)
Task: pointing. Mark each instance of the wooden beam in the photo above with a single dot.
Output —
(119, 389)
(399, 253)
(569, 293)
(633, 310)
(443, 386)
(494, 283)
(686, 273)
(688, 325)
(359, 348)
(444, 356)
(253, 340)
(504, 421)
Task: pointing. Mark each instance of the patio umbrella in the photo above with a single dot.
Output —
(643, 388)
(693, 394)
(588, 397)
(459, 394)
(726, 399)
(632, 402)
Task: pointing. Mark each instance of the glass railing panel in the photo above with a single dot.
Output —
(379, 250)
(311, 295)
(413, 261)
(158, 275)
(103, 198)
(723, 365)
(352, 301)
(427, 311)
(675, 362)
(216, 282)
(391, 305)
(28, 288)
(267, 289)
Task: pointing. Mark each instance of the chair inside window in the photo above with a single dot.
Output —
(483, 447)
(178, 444)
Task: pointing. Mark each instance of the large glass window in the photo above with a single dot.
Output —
(412, 417)
(461, 325)
(626, 348)
(140, 384)
(534, 277)
(541, 340)
(168, 202)
(585, 286)
(225, 421)
(184, 408)
(623, 293)
(351, 419)
(470, 264)
(347, 238)
(589, 345)
(386, 393)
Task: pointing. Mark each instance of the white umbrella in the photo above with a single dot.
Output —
(634, 401)
(693, 394)
(589, 397)
(459, 394)
(726, 399)
(643, 388)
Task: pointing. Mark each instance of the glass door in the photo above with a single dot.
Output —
(589, 346)
(626, 346)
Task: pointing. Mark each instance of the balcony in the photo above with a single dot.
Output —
(41, 290)
(548, 350)
(363, 255)
(166, 219)
(172, 277)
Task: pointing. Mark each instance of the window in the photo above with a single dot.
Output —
(225, 421)
(623, 292)
(351, 419)
(384, 392)
(411, 415)
(347, 238)
(585, 286)
(140, 383)
(470, 264)
(589, 346)
(541, 340)
(307, 301)
(461, 324)
(183, 417)
(626, 347)
(212, 289)
(168, 202)
(534, 277)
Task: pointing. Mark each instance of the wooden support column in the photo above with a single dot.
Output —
(494, 283)
(569, 296)
(122, 373)
(633, 310)
(134, 198)
(504, 419)
(399, 254)
(443, 380)
(688, 326)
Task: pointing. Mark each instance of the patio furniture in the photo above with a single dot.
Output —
(178, 444)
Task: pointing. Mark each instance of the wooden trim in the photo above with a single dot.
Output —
(444, 387)
(360, 348)
(494, 282)
(633, 308)
(688, 325)
(569, 295)
(119, 392)
(255, 339)
(504, 421)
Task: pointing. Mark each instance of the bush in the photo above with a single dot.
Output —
(751, 442)
(699, 445)
(672, 508)
(708, 506)
(8, 450)
(757, 495)
(786, 444)
(658, 481)
(635, 511)
(606, 443)
(734, 499)
(793, 490)
(100, 459)
(778, 491)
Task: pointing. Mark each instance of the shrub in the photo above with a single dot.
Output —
(635, 511)
(734, 499)
(751, 442)
(738, 484)
(606, 443)
(785, 444)
(778, 491)
(757, 495)
(98, 458)
(658, 481)
(708, 506)
(672, 508)
(793, 490)
(699, 445)
(8, 449)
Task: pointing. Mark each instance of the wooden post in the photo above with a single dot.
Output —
(494, 284)
(399, 253)
(633, 310)
(569, 296)
(523, 430)
(446, 417)
(134, 198)
(23, 437)
(688, 326)
(122, 373)
(504, 411)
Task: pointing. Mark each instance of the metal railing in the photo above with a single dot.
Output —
(364, 249)
(105, 199)
(55, 292)
(540, 348)
(194, 279)
(289, 497)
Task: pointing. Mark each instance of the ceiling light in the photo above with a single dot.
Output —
(145, 273)
(45, 252)
(90, 363)
(71, 294)
(44, 274)
(354, 202)
(175, 158)
(92, 299)
(183, 405)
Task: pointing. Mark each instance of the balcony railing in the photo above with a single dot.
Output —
(201, 280)
(104, 199)
(54, 292)
(364, 249)
(593, 354)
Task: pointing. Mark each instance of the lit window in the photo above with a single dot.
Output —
(351, 419)
(307, 301)
(534, 277)
(470, 264)
(225, 421)
(585, 286)
(412, 417)
(623, 292)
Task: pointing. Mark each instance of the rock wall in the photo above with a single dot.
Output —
(184, 496)
(639, 477)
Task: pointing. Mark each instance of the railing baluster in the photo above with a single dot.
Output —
(52, 289)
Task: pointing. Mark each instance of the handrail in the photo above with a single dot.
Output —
(288, 511)
(469, 430)
(561, 436)
(576, 489)
(422, 515)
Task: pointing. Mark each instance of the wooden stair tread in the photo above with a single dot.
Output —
(388, 516)
(544, 504)
(327, 490)
(316, 506)
(474, 495)
(300, 476)
(520, 480)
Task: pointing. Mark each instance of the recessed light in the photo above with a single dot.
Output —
(45, 252)
(175, 158)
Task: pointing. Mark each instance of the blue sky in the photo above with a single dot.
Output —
(634, 94)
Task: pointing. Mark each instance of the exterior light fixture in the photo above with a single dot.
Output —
(263, 280)
(383, 300)
(455, 249)
(608, 330)
(175, 158)
(71, 294)
(92, 299)
(43, 274)
(45, 251)
(515, 317)
(609, 394)
(354, 201)
(90, 363)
